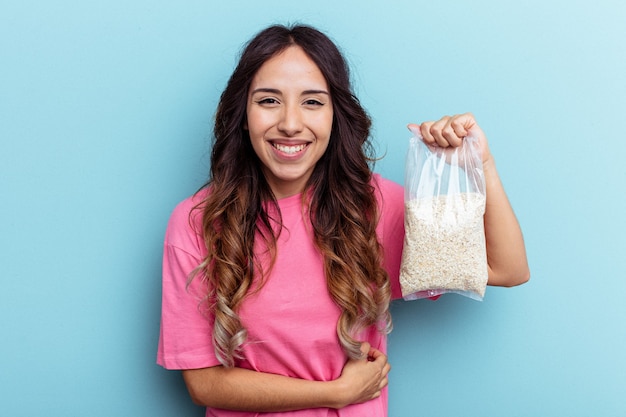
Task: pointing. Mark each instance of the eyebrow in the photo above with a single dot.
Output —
(276, 91)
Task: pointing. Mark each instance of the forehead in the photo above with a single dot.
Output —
(290, 68)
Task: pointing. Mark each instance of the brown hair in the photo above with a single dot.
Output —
(342, 204)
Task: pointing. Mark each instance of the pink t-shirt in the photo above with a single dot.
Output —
(292, 321)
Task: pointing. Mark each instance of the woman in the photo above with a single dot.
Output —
(278, 273)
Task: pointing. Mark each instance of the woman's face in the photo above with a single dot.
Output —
(289, 118)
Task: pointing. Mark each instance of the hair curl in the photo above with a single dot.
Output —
(342, 205)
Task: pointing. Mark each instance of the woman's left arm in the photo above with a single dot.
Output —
(506, 252)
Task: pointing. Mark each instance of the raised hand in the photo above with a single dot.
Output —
(449, 131)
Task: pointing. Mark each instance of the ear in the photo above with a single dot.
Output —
(245, 124)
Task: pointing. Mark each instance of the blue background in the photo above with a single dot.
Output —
(105, 117)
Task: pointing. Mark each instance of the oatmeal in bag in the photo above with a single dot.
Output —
(444, 245)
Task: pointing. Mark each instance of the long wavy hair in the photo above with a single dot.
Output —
(341, 202)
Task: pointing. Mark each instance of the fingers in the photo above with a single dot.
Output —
(447, 131)
(384, 373)
(376, 356)
(441, 133)
(374, 353)
(379, 358)
(365, 349)
(415, 128)
(367, 376)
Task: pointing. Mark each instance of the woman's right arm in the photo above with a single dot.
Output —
(246, 390)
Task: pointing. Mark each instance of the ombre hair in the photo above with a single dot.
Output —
(340, 200)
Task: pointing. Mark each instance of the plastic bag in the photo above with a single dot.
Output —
(444, 245)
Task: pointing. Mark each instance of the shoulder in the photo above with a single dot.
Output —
(390, 194)
(390, 199)
(184, 228)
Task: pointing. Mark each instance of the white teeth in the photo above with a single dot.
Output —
(289, 149)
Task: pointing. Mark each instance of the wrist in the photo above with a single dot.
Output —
(336, 397)
(489, 167)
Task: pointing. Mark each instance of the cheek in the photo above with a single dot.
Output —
(330, 119)
(258, 122)
(324, 125)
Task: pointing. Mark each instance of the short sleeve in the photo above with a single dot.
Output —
(185, 337)
(391, 229)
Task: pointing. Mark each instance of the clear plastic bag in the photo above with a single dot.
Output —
(444, 246)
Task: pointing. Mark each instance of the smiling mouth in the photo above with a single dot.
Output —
(289, 149)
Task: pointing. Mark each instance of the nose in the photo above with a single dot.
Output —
(291, 122)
